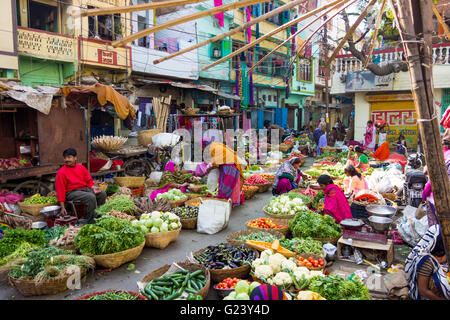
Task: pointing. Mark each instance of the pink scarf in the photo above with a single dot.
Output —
(336, 204)
(368, 137)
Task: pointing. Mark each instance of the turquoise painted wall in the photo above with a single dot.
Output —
(34, 72)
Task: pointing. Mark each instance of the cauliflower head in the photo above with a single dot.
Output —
(288, 265)
(264, 271)
(282, 279)
(275, 261)
(257, 262)
(266, 254)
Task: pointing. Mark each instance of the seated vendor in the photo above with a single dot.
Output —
(336, 204)
(360, 160)
(354, 182)
(74, 183)
(288, 176)
(423, 267)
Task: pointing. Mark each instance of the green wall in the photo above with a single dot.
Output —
(34, 72)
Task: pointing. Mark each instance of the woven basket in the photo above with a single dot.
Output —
(231, 238)
(193, 195)
(86, 297)
(285, 147)
(191, 111)
(145, 136)
(28, 287)
(196, 188)
(34, 209)
(284, 231)
(281, 219)
(115, 260)
(217, 275)
(315, 257)
(250, 193)
(130, 182)
(189, 223)
(185, 265)
(390, 196)
(192, 202)
(262, 187)
(177, 203)
(161, 240)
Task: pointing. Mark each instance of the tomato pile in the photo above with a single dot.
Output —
(264, 223)
(310, 262)
(229, 283)
(256, 179)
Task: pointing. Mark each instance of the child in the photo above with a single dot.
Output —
(402, 142)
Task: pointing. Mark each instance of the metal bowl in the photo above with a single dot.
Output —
(51, 211)
(380, 223)
(381, 211)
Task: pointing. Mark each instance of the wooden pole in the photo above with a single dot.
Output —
(441, 21)
(416, 19)
(278, 10)
(315, 31)
(291, 37)
(136, 7)
(350, 32)
(201, 14)
(271, 33)
(327, 98)
(375, 34)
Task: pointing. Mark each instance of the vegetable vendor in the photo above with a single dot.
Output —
(360, 160)
(288, 176)
(336, 204)
(423, 267)
(171, 178)
(74, 183)
(231, 176)
(354, 182)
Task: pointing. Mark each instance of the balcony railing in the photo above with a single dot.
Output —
(345, 63)
(46, 45)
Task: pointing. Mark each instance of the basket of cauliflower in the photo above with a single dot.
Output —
(275, 269)
(281, 209)
(161, 228)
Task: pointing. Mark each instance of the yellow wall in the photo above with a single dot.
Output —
(264, 27)
(7, 38)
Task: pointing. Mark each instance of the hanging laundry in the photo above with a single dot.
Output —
(219, 16)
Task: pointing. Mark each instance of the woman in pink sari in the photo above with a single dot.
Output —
(336, 204)
(370, 136)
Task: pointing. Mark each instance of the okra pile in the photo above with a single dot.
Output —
(172, 286)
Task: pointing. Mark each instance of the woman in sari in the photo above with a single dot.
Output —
(172, 178)
(288, 176)
(354, 182)
(336, 204)
(360, 160)
(231, 176)
(423, 267)
(370, 137)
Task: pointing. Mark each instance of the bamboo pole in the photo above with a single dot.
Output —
(350, 32)
(292, 36)
(219, 37)
(271, 33)
(137, 7)
(375, 34)
(201, 14)
(315, 31)
(415, 18)
(441, 21)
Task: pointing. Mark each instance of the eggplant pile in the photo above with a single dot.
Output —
(185, 212)
(225, 256)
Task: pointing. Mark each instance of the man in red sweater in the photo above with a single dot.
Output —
(74, 183)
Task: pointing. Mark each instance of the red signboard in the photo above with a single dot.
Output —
(107, 57)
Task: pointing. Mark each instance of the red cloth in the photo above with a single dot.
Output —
(72, 178)
(397, 158)
(97, 164)
(336, 204)
(382, 153)
(445, 122)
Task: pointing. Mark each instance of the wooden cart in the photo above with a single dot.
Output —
(136, 162)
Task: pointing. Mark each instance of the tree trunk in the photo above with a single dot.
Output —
(416, 18)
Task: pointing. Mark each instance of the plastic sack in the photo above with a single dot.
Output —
(213, 180)
(384, 186)
(213, 216)
(155, 177)
(165, 139)
(411, 229)
(330, 251)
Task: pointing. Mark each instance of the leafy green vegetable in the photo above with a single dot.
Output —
(108, 235)
(38, 199)
(333, 287)
(311, 224)
(318, 197)
(13, 238)
(54, 232)
(119, 203)
(114, 295)
(111, 189)
(307, 245)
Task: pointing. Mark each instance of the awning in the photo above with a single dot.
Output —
(193, 86)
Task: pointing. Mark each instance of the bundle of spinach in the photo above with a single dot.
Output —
(54, 232)
(45, 263)
(108, 235)
(317, 198)
(14, 238)
(119, 203)
(334, 287)
(311, 224)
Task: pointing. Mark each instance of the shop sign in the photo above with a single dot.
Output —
(107, 57)
(368, 81)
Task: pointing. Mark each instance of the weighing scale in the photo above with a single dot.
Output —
(358, 230)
